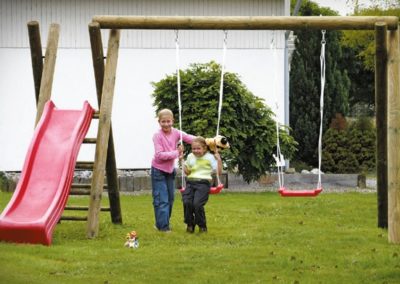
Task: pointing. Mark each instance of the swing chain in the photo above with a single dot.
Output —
(323, 41)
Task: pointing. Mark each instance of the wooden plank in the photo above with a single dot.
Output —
(79, 191)
(84, 165)
(245, 23)
(73, 218)
(36, 55)
(111, 165)
(89, 140)
(381, 89)
(393, 139)
(85, 185)
(83, 208)
(103, 133)
(48, 69)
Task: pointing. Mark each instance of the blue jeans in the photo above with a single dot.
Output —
(163, 191)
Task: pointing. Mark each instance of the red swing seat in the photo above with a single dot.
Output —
(213, 190)
(283, 191)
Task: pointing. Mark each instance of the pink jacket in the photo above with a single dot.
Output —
(165, 149)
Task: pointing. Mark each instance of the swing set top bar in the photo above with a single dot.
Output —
(245, 23)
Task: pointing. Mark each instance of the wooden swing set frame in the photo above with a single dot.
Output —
(387, 91)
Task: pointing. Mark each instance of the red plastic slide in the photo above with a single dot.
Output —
(46, 177)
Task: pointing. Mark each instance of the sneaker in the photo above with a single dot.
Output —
(190, 229)
(203, 230)
(164, 231)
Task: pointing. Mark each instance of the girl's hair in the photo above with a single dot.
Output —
(165, 111)
(200, 140)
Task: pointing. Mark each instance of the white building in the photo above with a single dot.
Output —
(145, 57)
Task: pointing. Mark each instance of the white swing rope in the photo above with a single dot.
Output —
(221, 87)
(178, 78)
(321, 107)
(279, 159)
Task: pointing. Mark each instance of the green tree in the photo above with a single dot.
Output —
(245, 120)
(349, 149)
(363, 42)
(359, 50)
(305, 84)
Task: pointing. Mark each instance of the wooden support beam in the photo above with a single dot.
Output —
(245, 23)
(103, 133)
(48, 69)
(394, 138)
(111, 164)
(36, 55)
(381, 88)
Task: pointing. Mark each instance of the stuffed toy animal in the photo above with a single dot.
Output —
(132, 241)
(218, 141)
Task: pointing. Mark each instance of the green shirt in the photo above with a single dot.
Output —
(201, 167)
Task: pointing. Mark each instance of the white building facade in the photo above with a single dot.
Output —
(145, 56)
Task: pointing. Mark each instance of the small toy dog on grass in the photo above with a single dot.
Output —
(132, 240)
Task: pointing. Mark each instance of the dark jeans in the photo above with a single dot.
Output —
(194, 198)
(163, 191)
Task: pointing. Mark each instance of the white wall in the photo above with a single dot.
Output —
(133, 119)
(74, 17)
(145, 56)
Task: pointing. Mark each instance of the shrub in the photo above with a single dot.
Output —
(3, 182)
(245, 120)
(349, 150)
(362, 142)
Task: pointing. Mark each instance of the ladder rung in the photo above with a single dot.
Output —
(81, 185)
(84, 165)
(78, 208)
(84, 208)
(96, 114)
(73, 218)
(85, 186)
(90, 140)
(79, 191)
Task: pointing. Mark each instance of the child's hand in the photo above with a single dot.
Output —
(180, 149)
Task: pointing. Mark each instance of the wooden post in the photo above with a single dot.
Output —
(381, 121)
(111, 165)
(103, 134)
(394, 138)
(48, 69)
(36, 55)
(245, 23)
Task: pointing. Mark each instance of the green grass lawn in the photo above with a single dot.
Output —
(252, 238)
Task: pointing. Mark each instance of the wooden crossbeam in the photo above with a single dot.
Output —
(245, 23)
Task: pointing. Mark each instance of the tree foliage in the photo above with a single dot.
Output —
(363, 42)
(245, 120)
(350, 149)
(305, 84)
(359, 50)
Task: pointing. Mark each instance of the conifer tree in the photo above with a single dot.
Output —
(305, 85)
